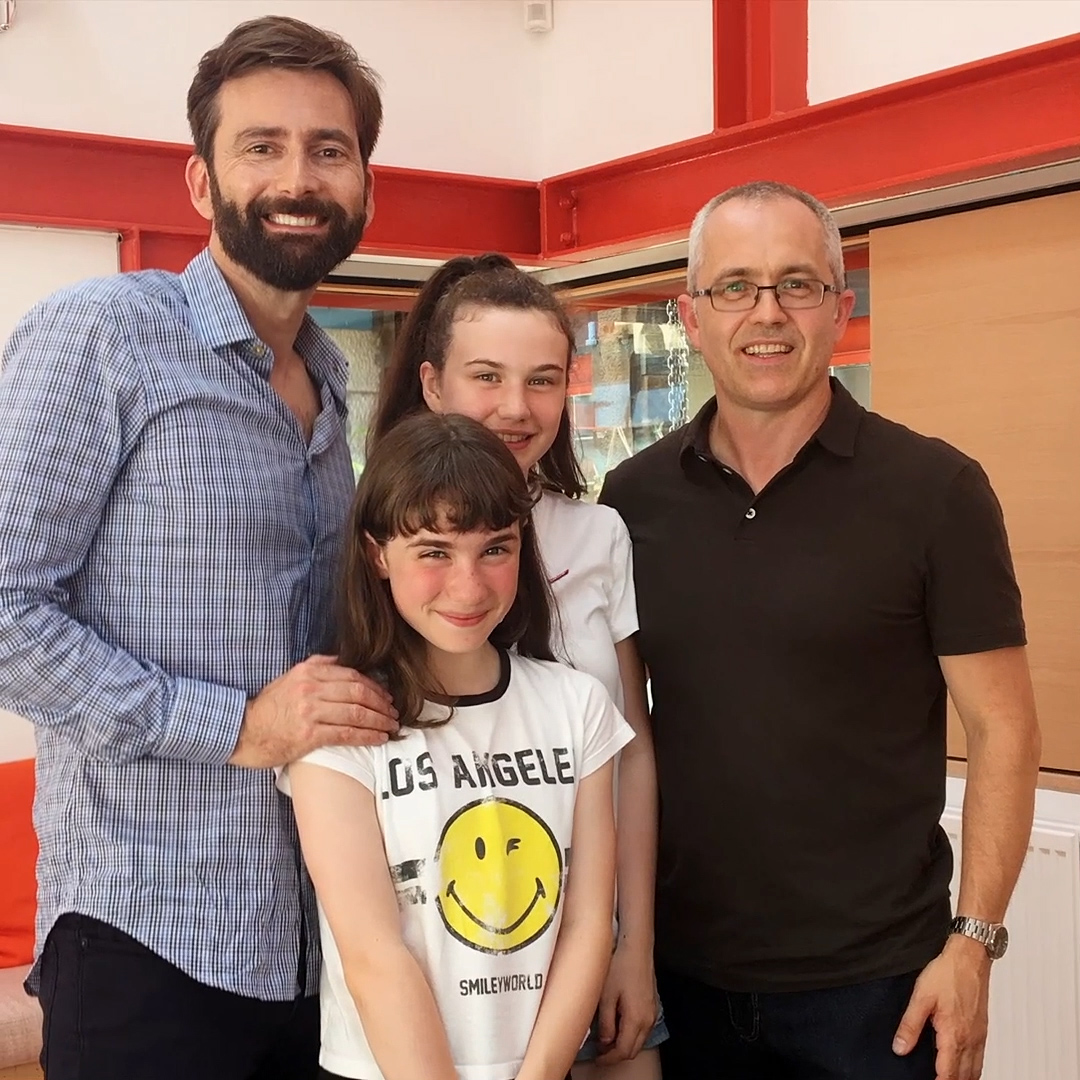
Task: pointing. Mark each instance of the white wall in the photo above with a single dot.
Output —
(857, 45)
(34, 263)
(467, 88)
(16, 737)
(622, 76)
(122, 67)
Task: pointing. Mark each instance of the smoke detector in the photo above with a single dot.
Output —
(7, 14)
(539, 15)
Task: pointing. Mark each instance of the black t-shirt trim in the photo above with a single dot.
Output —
(496, 692)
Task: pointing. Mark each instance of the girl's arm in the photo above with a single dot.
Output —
(628, 1002)
(343, 849)
(583, 948)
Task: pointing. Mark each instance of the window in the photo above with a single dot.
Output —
(634, 377)
(366, 337)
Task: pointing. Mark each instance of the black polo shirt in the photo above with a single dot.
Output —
(799, 707)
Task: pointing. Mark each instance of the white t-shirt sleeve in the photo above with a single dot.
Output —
(354, 761)
(623, 600)
(606, 732)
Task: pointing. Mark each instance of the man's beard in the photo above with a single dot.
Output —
(291, 263)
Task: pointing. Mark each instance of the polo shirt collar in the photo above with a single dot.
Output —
(219, 320)
(837, 433)
(840, 428)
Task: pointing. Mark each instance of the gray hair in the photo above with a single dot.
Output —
(766, 191)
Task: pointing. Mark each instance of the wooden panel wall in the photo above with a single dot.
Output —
(976, 338)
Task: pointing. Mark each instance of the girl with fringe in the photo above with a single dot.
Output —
(464, 869)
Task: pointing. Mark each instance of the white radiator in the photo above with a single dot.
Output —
(1035, 988)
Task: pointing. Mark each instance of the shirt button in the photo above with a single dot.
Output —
(259, 349)
(751, 514)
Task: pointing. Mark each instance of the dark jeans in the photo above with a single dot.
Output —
(114, 1010)
(840, 1034)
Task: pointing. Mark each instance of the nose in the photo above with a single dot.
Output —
(466, 585)
(767, 309)
(513, 401)
(296, 177)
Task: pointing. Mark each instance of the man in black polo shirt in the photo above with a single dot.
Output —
(811, 579)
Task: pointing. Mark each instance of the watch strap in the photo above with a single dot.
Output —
(979, 929)
(992, 936)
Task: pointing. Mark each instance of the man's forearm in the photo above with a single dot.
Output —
(999, 802)
(60, 674)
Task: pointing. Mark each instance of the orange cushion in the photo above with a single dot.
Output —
(18, 856)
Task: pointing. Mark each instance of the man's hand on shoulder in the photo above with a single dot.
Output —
(316, 703)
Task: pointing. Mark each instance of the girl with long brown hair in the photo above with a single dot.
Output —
(465, 869)
(487, 340)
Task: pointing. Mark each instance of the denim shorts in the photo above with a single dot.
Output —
(590, 1048)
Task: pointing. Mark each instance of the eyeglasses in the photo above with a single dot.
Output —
(792, 294)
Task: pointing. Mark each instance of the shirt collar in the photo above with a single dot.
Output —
(837, 433)
(219, 320)
(216, 313)
(840, 428)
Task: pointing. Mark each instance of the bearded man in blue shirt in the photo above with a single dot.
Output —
(173, 477)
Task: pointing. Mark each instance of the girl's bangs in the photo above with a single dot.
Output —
(453, 498)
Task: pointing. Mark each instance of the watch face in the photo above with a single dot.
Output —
(999, 942)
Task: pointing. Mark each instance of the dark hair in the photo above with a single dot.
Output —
(276, 41)
(483, 281)
(431, 470)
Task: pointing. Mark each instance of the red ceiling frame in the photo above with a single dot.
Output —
(980, 119)
(759, 59)
(136, 188)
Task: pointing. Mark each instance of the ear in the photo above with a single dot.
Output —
(197, 175)
(377, 556)
(429, 384)
(688, 314)
(369, 198)
(845, 304)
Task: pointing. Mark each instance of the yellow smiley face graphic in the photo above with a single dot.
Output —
(501, 875)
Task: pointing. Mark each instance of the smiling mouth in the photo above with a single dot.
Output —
(464, 620)
(294, 221)
(515, 438)
(768, 351)
(540, 894)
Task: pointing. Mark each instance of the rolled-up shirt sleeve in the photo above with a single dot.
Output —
(71, 408)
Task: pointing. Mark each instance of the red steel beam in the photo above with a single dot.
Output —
(1011, 111)
(137, 188)
(759, 59)
(779, 54)
(731, 64)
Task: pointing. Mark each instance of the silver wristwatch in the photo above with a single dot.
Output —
(992, 936)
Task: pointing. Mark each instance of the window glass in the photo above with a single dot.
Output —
(634, 378)
(367, 339)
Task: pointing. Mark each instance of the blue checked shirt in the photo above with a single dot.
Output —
(169, 548)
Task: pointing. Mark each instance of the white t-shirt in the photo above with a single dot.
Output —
(477, 818)
(587, 554)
